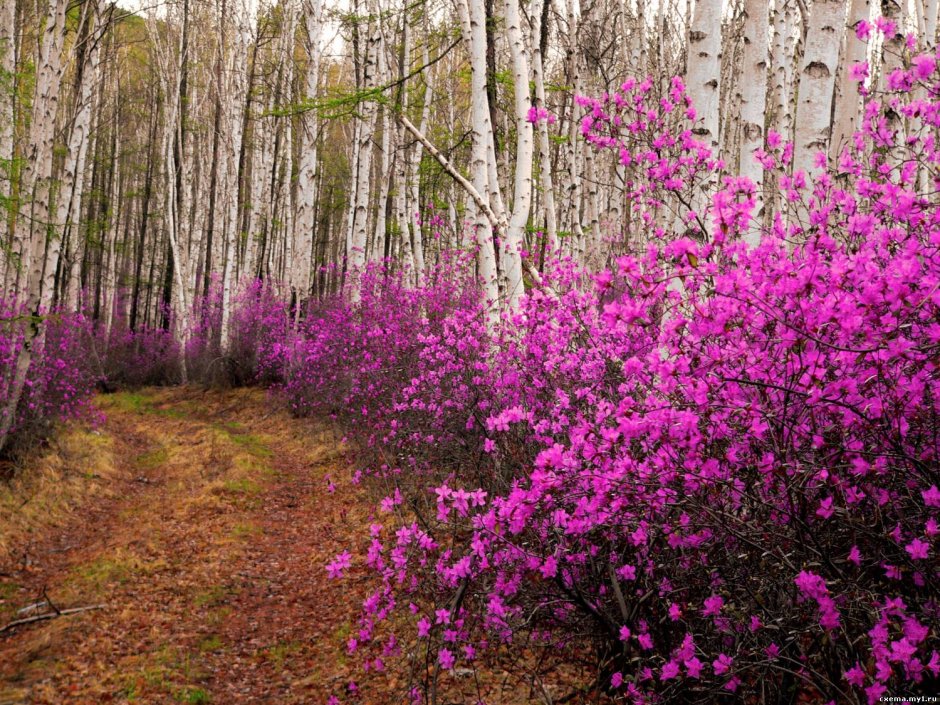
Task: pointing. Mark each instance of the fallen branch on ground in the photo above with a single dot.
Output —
(49, 615)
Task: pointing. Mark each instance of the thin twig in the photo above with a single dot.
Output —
(49, 615)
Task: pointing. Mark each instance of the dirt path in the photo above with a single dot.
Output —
(208, 552)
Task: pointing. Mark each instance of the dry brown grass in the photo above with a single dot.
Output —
(50, 485)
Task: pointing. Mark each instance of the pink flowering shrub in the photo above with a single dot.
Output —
(136, 358)
(260, 327)
(709, 473)
(59, 382)
(351, 363)
(260, 322)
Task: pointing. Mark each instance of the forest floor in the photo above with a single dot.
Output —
(197, 525)
(201, 520)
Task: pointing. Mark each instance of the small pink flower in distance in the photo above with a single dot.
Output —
(858, 72)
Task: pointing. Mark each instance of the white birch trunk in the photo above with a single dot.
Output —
(847, 100)
(170, 60)
(522, 187)
(237, 85)
(416, 244)
(545, 153)
(72, 182)
(572, 150)
(385, 176)
(481, 145)
(703, 75)
(817, 83)
(753, 104)
(930, 12)
(7, 103)
(363, 172)
(307, 173)
(35, 181)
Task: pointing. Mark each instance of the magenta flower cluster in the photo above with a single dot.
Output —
(60, 380)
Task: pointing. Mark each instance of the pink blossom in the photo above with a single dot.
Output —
(918, 550)
(722, 664)
(859, 71)
(340, 563)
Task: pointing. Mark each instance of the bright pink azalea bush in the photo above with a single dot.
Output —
(60, 380)
(709, 473)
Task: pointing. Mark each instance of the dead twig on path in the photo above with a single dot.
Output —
(49, 615)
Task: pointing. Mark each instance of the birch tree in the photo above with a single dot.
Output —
(753, 103)
(522, 189)
(363, 169)
(817, 83)
(847, 98)
(474, 16)
(33, 221)
(307, 175)
(703, 81)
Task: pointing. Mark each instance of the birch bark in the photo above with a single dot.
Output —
(357, 252)
(522, 187)
(847, 99)
(307, 175)
(753, 104)
(817, 82)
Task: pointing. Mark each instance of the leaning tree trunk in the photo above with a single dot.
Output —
(35, 189)
(7, 118)
(72, 180)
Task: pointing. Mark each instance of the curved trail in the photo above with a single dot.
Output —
(209, 554)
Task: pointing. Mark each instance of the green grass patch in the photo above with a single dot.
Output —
(253, 443)
(244, 531)
(193, 696)
(132, 402)
(241, 486)
(8, 590)
(7, 605)
(213, 642)
(141, 403)
(218, 616)
(152, 458)
(280, 652)
(111, 570)
(105, 571)
(215, 595)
